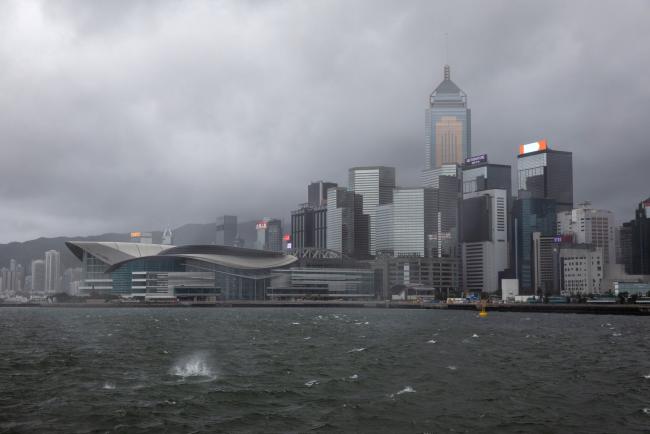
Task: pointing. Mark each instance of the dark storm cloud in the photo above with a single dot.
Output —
(123, 115)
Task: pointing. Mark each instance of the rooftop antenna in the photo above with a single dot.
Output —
(446, 69)
(446, 48)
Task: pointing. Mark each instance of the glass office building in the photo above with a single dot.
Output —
(375, 184)
(531, 215)
(309, 227)
(347, 226)
(447, 125)
(547, 174)
(317, 193)
(405, 226)
(226, 230)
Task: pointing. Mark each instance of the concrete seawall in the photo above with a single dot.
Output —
(598, 309)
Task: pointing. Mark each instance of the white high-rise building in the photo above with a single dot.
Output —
(38, 275)
(590, 226)
(375, 184)
(52, 270)
(405, 226)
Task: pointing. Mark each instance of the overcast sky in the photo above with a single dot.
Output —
(116, 116)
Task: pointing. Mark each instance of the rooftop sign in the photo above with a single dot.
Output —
(477, 159)
(532, 147)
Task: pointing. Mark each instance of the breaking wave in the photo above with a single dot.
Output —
(407, 389)
(196, 365)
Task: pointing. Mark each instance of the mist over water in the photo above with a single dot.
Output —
(361, 370)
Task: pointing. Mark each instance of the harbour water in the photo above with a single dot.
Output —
(321, 370)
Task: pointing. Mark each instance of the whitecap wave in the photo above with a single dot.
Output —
(474, 335)
(647, 377)
(452, 367)
(407, 389)
(431, 342)
(646, 410)
(311, 383)
(108, 386)
(196, 365)
(356, 350)
(353, 377)
(295, 323)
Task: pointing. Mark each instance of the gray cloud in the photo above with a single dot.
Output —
(124, 115)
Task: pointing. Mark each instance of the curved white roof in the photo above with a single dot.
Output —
(112, 252)
(116, 253)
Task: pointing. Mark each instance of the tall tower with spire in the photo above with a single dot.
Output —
(448, 125)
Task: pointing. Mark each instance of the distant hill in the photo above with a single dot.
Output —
(193, 233)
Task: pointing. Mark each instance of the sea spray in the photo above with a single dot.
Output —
(196, 365)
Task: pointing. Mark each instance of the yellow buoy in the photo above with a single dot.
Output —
(483, 312)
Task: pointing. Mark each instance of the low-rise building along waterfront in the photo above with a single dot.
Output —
(238, 273)
(322, 283)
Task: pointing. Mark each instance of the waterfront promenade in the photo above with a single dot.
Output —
(574, 308)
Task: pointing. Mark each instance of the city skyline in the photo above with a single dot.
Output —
(134, 137)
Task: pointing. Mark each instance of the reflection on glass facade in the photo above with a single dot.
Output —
(532, 215)
(447, 125)
(547, 174)
(123, 277)
(346, 229)
(309, 227)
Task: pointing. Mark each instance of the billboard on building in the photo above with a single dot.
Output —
(533, 147)
(475, 160)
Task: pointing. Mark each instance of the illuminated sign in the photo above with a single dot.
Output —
(477, 159)
(136, 234)
(532, 147)
(286, 237)
(289, 246)
(260, 225)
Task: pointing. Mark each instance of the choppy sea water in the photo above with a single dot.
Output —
(321, 370)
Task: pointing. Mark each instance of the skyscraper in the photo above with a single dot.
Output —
(480, 175)
(404, 226)
(347, 226)
(447, 125)
(636, 245)
(531, 215)
(375, 184)
(484, 239)
(38, 275)
(317, 192)
(446, 183)
(167, 236)
(226, 230)
(52, 270)
(269, 234)
(546, 173)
